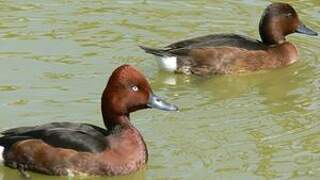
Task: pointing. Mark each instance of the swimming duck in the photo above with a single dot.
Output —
(65, 148)
(233, 53)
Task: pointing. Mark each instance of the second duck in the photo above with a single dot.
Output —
(232, 53)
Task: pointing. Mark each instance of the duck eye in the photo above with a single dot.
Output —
(289, 15)
(135, 88)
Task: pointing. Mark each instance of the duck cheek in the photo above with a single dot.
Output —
(137, 104)
(137, 107)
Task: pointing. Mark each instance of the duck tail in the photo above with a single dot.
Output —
(16, 131)
(156, 52)
(3, 144)
(7, 141)
(11, 136)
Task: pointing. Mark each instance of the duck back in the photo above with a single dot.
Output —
(220, 40)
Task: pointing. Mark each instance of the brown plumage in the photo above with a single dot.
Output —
(83, 149)
(232, 53)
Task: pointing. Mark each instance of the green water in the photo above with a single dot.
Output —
(56, 56)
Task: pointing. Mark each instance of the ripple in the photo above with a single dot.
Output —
(6, 88)
(19, 102)
(64, 59)
(57, 76)
(254, 126)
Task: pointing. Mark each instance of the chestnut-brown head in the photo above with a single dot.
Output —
(279, 20)
(127, 91)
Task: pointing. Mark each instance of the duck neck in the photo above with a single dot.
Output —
(272, 38)
(271, 32)
(270, 35)
(113, 122)
(115, 115)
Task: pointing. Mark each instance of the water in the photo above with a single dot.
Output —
(56, 56)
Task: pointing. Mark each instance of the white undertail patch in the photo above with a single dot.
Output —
(70, 173)
(1, 153)
(168, 63)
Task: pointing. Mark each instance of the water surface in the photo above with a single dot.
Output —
(56, 57)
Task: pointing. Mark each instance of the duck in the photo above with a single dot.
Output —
(82, 149)
(233, 53)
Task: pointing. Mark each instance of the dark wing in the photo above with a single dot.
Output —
(75, 126)
(215, 40)
(219, 40)
(80, 137)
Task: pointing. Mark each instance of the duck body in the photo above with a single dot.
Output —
(233, 53)
(73, 149)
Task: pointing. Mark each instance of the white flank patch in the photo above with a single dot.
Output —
(168, 63)
(1, 153)
(70, 173)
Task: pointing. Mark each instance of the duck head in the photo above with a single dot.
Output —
(279, 20)
(128, 91)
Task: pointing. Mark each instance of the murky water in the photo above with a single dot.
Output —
(56, 56)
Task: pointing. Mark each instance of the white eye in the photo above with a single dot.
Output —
(135, 88)
(289, 15)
